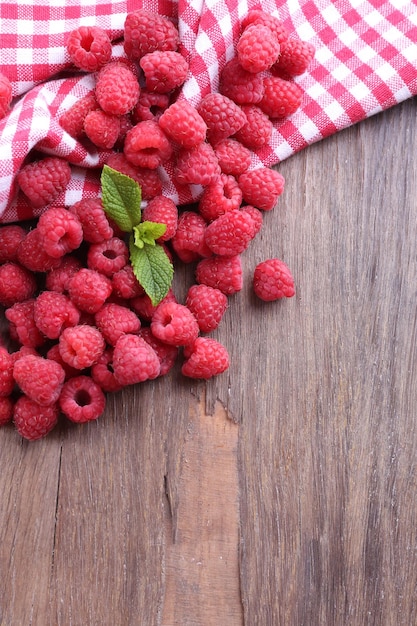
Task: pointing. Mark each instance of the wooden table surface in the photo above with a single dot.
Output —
(282, 493)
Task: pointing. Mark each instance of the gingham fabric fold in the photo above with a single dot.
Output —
(365, 62)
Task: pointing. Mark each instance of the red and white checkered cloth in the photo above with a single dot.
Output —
(365, 62)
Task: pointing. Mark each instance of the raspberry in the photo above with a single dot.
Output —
(208, 306)
(93, 219)
(234, 158)
(102, 372)
(57, 279)
(82, 400)
(16, 283)
(295, 57)
(198, 166)
(102, 128)
(32, 255)
(188, 241)
(6, 410)
(89, 48)
(150, 106)
(173, 323)
(272, 279)
(149, 180)
(256, 215)
(22, 327)
(32, 420)
(108, 257)
(42, 181)
(220, 197)
(257, 130)
(6, 373)
(281, 97)
(60, 231)
(53, 312)
(5, 95)
(167, 354)
(230, 234)
(162, 210)
(224, 273)
(239, 85)
(117, 88)
(222, 116)
(145, 31)
(257, 48)
(164, 70)
(72, 120)
(10, 237)
(39, 379)
(183, 124)
(114, 320)
(208, 358)
(262, 187)
(134, 360)
(89, 290)
(80, 346)
(125, 284)
(144, 308)
(258, 16)
(146, 145)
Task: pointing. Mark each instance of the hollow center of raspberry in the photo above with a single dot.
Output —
(86, 42)
(110, 254)
(82, 397)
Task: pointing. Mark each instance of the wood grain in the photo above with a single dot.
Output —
(298, 465)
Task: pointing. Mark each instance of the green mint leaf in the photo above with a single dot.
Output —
(121, 197)
(152, 268)
(147, 232)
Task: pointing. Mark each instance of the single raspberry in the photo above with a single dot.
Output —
(82, 400)
(53, 354)
(125, 284)
(224, 273)
(220, 197)
(162, 210)
(295, 57)
(93, 219)
(239, 85)
(102, 128)
(262, 187)
(272, 279)
(166, 353)
(114, 320)
(117, 88)
(22, 326)
(89, 290)
(164, 70)
(134, 360)
(208, 358)
(230, 234)
(72, 120)
(32, 255)
(257, 130)
(188, 242)
(150, 106)
(5, 95)
(57, 279)
(144, 308)
(234, 158)
(197, 166)
(173, 323)
(102, 372)
(60, 231)
(108, 257)
(40, 379)
(6, 373)
(258, 16)
(146, 145)
(6, 410)
(10, 237)
(256, 216)
(89, 48)
(257, 48)
(80, 346)
(149, 180)
(183, 124)
(208, 306)
(281, 97)
(42, 181)
(146, 31)
(32, 420)
(222, 116)
(53, 312)
(16, 283)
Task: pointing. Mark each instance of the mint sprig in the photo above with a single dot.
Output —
(121, 198)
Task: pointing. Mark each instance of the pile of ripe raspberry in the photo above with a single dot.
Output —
(81, 323)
